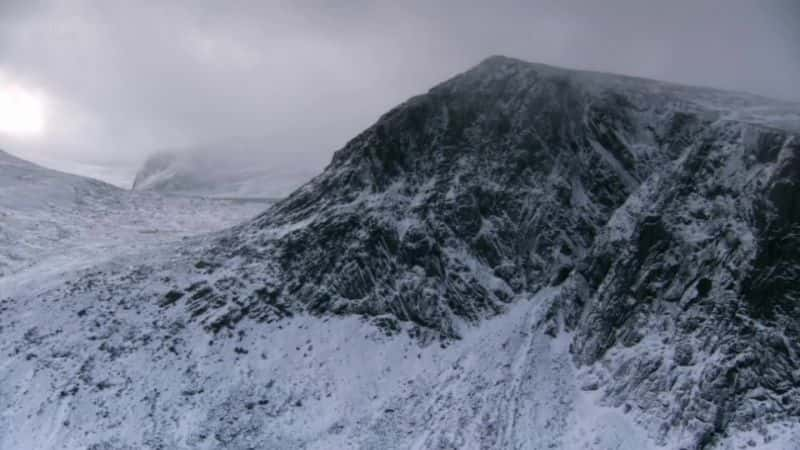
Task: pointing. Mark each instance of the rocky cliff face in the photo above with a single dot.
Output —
(490, 186)
(495, 184)
(685, 298)
(664, 219)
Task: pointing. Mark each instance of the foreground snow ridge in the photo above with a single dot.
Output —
(524, 257)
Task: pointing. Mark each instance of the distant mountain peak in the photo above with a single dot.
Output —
(221, 173)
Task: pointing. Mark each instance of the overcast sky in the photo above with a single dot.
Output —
(116, 80)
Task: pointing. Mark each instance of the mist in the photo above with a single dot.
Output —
(121, 80)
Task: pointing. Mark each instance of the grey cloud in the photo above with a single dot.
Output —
(302, 77)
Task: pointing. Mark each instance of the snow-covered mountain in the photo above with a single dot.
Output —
(523, 257)
(232, 171)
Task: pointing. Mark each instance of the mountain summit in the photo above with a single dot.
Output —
(569, 240)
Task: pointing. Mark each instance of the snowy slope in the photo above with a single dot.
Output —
(299, 383)
(46, 213)
(523, 257)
